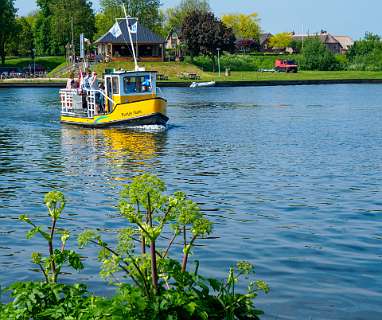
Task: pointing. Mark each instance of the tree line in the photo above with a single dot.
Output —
(50, 29)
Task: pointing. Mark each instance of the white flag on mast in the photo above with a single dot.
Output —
(134, 27)
(115, 30)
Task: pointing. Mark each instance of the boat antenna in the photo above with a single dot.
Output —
(131, 39)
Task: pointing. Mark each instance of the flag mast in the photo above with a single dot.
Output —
(131, 39)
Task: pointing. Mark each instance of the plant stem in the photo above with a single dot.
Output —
(170, 244)
(187, 252)
(143, 242)
(124, 268)
(154, 270)
(184, 236)
(51, 251)
(44, 273)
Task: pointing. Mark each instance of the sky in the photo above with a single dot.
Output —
(338, 17)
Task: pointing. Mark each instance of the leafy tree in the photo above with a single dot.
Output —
(203, 33)
(23, 41)
(147, 12)
(315, 56)
(174, 16)
(7, 24)
(66, 12)
(54, 24)
(280, 40)
(244, 26)
(247, 45)
(366, 46)
(296, 45)
(42, 34)
(42, 27)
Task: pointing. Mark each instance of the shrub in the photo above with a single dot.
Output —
(236, 62)
(151, 285)
(315, 56)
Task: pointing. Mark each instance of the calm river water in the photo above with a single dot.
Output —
(291, 176)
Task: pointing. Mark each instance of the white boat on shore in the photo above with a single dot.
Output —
(202, 84)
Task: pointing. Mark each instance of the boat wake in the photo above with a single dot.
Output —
(148, 128)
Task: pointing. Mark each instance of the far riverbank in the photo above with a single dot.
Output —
(245, 82)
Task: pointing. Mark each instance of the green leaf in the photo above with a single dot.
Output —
(55, 202)
(36, 257)
(31, 233)
(85, 237)
(263, 286)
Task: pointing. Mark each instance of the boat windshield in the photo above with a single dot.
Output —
(137, 84)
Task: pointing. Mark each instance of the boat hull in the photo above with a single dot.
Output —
(151, 111)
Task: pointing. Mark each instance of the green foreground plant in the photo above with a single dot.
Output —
(150, 283)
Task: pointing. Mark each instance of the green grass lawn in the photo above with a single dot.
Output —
(301, 75)
(48, 62)
(174, 69)
(171, 69)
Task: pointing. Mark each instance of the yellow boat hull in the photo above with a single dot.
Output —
(150, 111)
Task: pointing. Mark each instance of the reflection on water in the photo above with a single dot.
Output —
(291, 177)
(127, 152)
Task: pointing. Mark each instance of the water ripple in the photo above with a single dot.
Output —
(291, 177)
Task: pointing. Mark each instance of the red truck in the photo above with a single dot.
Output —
(286, 66)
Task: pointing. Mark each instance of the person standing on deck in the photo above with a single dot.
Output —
(70, 84)
(93, 83)
(85, 85)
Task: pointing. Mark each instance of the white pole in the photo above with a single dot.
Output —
(219, 60)
(34, 62)
(131, 39)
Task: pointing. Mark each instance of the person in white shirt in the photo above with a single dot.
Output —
(93, 81)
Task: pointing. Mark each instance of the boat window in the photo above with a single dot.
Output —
(115, 85)
(137, 84)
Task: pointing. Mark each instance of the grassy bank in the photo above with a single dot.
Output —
(173, 70)
(235, 78)
(300, 76)
(49, 63)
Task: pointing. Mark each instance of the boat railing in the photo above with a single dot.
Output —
(67, 103)
(72, 102)
(92, 95)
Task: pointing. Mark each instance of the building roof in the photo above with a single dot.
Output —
(345, 41)
(174, 31)
(143, 35)
(326, 38)
(264, 37)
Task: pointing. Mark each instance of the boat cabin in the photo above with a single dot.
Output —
(121, 87)
(130, 86)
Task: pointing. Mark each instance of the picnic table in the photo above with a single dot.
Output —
(189, 76)
(162, 76)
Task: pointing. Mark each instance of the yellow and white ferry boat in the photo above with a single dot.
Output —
(130, 98)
